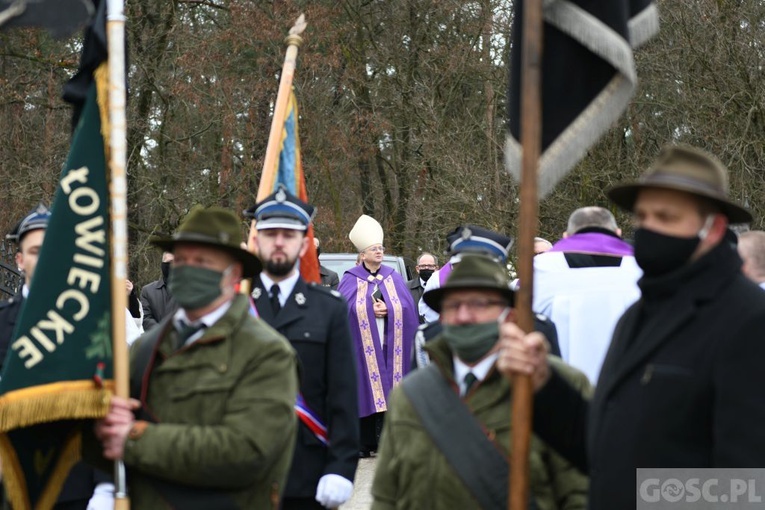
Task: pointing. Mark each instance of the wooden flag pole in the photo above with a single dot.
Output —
(115, 33)
(268, 176)
(531, 141)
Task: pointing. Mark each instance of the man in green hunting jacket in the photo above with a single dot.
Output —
(446, 438)
(216, 386)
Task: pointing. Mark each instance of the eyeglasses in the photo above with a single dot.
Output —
(375, 249)
(472, 305)
(426, 266)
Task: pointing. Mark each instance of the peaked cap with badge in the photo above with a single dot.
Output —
(216, 227)
(685, 168)
(281, 209)
(36, 219)
(366, 232)
(475, 239)
(475, 272)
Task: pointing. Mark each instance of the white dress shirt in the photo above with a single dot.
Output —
(480, 370)
(208, 320)
(286, 286)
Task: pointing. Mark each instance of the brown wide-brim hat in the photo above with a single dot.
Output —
(474, 272)
(216, 227)
(684, 168)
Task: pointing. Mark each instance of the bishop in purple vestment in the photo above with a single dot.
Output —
(383, 320)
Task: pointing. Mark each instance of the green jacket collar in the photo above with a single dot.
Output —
(441, 355)
(219, 357)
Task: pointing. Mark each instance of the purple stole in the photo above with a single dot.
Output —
(595, 244)
(443, 273)
(379, 370)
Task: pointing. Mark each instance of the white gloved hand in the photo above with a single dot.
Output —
(333, 490)
(103, 497)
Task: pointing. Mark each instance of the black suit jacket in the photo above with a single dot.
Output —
(329, 278)
(157, 303)
(315, 321)
(9, 314)
(416, 290)
(684, 389)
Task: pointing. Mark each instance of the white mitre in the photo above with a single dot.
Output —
(365, 233)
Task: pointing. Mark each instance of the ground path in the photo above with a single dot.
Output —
(362, 486)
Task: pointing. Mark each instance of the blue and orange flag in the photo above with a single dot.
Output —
(289, 171)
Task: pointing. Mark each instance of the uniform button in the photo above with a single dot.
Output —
(222, 367)
(307, 335)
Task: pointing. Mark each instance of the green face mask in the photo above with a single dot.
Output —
(471, 342)
(194, 287)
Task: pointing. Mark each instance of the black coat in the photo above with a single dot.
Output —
(329, 278)
(9, 314)
(315, 321)
(416, 290)
(157, 303)
(681, 385)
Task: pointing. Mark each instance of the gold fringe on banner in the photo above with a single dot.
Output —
(101, 75)
(68, 400)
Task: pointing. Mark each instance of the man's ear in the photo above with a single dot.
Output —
(20, 261)
(618, 231)
(719, 225)
(512, 316)
(252, 239)
(304, 248)
(236, 272)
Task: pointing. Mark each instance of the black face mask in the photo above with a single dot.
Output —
(425, 274)
(659, 254)
(165, 270)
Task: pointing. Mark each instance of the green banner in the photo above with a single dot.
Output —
(61, 355)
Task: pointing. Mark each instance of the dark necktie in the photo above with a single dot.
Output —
(186, 331)
(470, 380)
(275, 305)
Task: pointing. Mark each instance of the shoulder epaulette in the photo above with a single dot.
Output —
(324, 289)
(7, 302)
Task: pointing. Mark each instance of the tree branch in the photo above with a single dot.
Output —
(206, 3)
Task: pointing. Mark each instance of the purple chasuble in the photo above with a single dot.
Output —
(444, 273)
(379, 369)
(594, 243)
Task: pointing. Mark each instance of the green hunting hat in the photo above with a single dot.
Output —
(475, 272)
(684, 168)
(216, 227)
